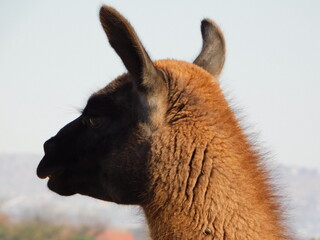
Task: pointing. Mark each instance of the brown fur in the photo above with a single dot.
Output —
(164, 137)
(206, 179)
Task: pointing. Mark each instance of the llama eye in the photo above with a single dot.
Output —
(96, 121)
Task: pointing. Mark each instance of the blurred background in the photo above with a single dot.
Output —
(54, 54)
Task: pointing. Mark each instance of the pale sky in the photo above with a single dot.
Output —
(54, 54)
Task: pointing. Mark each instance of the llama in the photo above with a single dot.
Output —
(163, 137)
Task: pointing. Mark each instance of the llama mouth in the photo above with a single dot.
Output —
(60, 183)
(48, 173)
(55, 174)
(58, 180)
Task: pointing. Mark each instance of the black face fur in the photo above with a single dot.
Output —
(93, 155)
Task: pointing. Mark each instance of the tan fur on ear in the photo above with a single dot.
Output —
(212, 55)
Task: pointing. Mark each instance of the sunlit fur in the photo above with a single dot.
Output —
(205, 178)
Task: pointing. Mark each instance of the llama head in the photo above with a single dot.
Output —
(105, 152)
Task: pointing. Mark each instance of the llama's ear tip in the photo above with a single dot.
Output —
(106, 13)
(105, 10)
(102, 11)
(207, 22)
(104, 7)
(208, 26)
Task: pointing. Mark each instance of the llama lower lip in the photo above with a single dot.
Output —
(59, 183)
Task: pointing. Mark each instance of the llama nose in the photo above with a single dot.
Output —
(48, 145)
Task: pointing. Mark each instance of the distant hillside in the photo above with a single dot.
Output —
(23, 195)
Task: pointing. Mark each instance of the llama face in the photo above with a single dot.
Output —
(94, 154)
(104, 153)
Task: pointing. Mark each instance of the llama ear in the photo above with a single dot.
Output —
(126, 43)
(212, 55)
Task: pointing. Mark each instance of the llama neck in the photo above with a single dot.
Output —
(209, 187)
